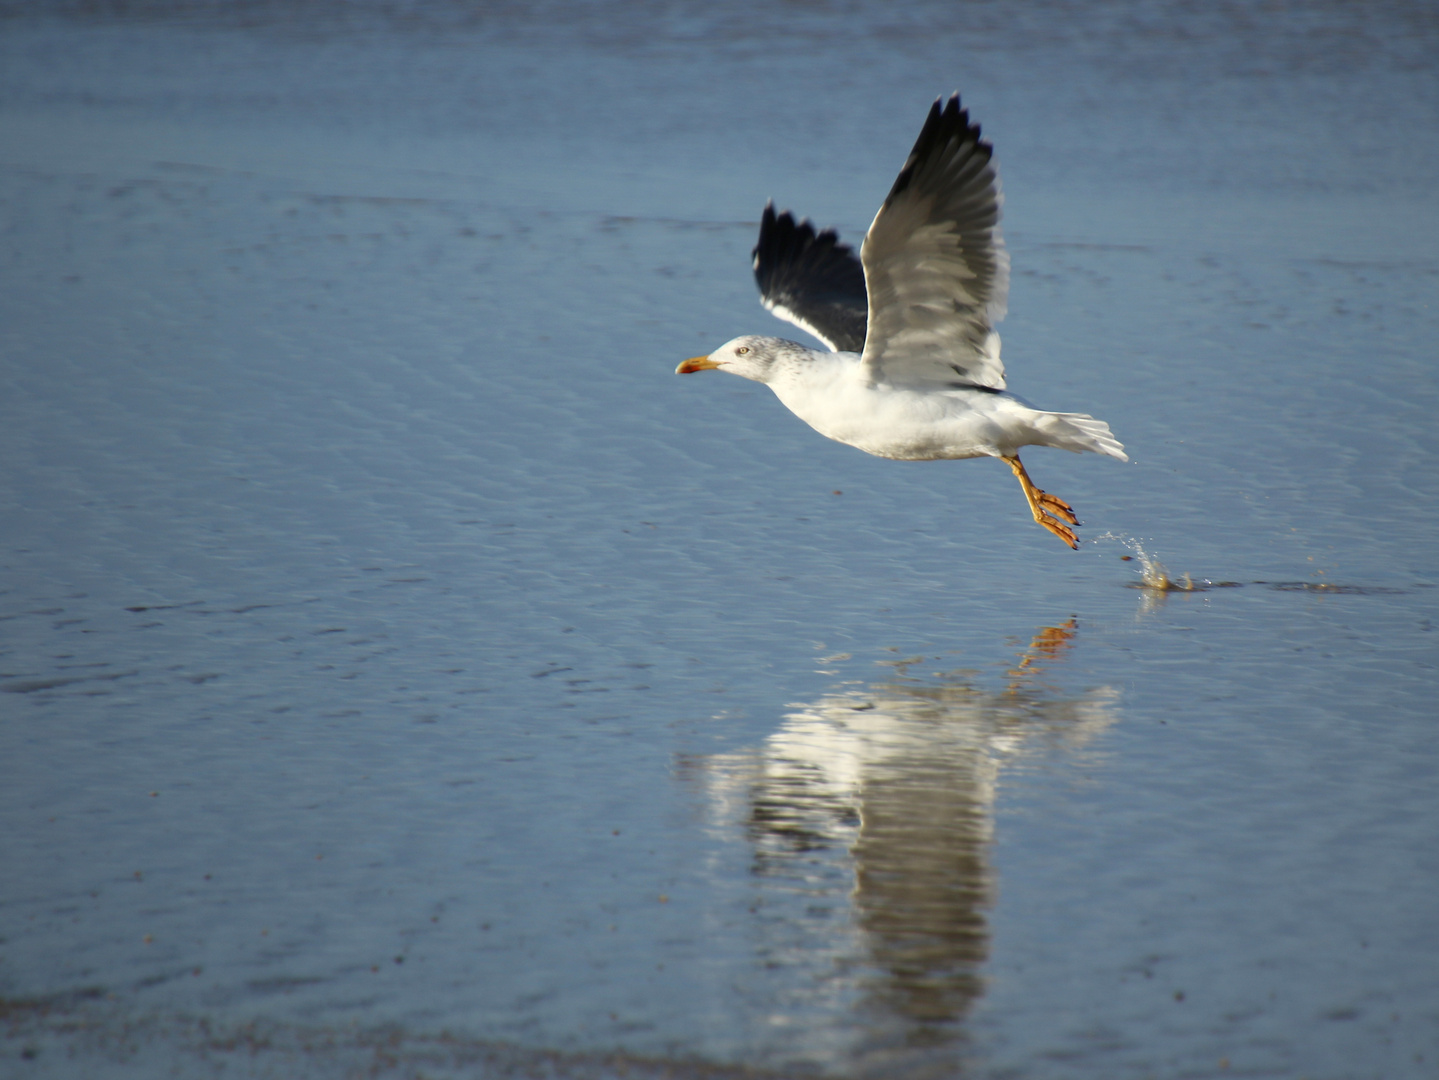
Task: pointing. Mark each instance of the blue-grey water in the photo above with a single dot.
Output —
(403, 673)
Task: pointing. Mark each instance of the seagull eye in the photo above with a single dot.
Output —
(741, 350)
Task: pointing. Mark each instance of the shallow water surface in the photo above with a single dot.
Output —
(403, 673)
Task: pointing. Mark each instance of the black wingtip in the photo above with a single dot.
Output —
(957, 118)
(947, 121)
(811, 274)
(782, 231)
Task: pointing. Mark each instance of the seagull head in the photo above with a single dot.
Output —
(751, 356)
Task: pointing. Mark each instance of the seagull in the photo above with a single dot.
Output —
(913, 370)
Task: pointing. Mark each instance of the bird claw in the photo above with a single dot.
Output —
(1047, 509)
(1057, 506)
(1059, 528)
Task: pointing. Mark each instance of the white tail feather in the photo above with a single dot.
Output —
(1079, 432)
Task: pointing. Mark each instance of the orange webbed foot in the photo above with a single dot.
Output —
(1048, 510)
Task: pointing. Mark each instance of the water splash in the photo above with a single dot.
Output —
(1152, 572)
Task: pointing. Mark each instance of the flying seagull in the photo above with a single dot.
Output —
(914, 371)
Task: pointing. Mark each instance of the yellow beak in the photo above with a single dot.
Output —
(695, 363)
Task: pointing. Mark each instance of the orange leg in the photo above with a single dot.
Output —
(1047, 509)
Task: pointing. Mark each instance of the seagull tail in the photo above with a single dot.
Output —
(1079, 432)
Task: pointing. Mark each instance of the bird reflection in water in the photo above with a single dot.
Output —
(871, 814)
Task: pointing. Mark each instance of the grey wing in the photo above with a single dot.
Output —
(811, 280)
(935, 265)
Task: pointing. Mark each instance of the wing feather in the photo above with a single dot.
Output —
(811, 280)
(936, 271)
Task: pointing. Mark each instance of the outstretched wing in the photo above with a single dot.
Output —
(811, 280)
(935, 265)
